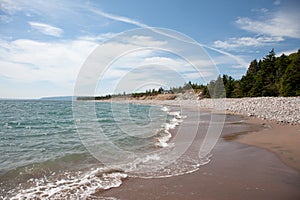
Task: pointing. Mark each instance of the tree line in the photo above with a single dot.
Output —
(150, 92)
(270, 76)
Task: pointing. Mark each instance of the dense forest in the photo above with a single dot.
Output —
(271, 76)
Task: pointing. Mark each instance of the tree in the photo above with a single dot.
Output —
(268, 72)
(160, 90)
(229, 85)
(281, 64)
(291, 78)
(216, 88)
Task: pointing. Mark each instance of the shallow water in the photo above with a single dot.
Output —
(49, 149)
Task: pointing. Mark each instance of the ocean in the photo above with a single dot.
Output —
(73, 150)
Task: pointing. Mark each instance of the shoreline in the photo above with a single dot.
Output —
(282, 110)
(236, 171)
(289, 153)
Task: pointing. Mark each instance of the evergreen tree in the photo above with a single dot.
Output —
(216, 88)
(291, 77)
(268, 75)
(281, 64)
(229, 85)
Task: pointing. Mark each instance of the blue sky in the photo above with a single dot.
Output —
(44, 44)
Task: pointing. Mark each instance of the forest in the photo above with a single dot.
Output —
(270, 76)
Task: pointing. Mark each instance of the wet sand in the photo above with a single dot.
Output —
(236, 170)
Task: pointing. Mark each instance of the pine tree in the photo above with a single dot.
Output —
(291, 77)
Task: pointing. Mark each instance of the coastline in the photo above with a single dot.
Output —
(253, 164)
(233, 170)
(270, 137)
(237, 170)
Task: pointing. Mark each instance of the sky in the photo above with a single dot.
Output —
(67, 47)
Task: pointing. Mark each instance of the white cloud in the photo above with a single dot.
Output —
(149, 57)
(287, 52)
(283, 23)
(9, 6)
(118, 18)
(239, 59)
(58, 63)
(49, 8)
(46, 29)
(236, 43)
(27, 61)
(238, 67)
(146, 41)
(98, 38)
(162, 68)
(277, 2)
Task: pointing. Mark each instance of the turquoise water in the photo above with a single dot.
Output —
(36, 131)
(44, 143)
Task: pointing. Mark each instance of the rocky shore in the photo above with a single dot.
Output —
(283, 110)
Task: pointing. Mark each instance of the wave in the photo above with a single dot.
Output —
(84, 184)
(69, 185)
(89, 183)
(160, 164)
(164, 134)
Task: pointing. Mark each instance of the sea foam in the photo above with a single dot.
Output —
(165, 135)
(79, 185)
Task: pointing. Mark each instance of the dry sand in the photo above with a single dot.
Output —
(283, 140)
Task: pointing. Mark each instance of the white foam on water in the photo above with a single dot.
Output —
(7, 126)
(141, 161)
(165, 136)
(184, 165)
(176, 114)
(165, 109)
(163, 140)
(157, 165)
(71, 186)
(28, 127)
(83, 185)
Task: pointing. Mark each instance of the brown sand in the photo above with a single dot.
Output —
(236, 171)
(283, 140)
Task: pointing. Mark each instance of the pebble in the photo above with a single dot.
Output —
(283, 110)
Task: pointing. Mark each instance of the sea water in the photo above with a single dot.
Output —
(49, 152)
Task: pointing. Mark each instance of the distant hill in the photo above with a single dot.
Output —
(59, 98)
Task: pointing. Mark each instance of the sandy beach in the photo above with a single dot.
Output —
(253, 159)
(283, 140)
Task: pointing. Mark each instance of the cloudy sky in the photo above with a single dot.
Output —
(45, 46)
